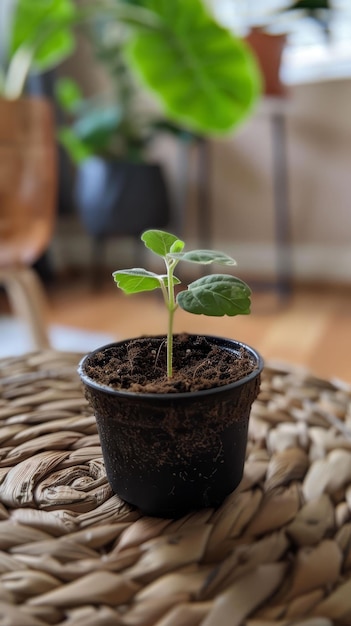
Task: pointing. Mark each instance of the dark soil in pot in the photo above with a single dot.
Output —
(140, 365)
(171, 447)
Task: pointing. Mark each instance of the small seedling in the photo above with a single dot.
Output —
(213, 295)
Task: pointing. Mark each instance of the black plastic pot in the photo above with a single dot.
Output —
(171, 453)
(117, 198)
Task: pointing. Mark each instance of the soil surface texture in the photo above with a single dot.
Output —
(139, 365)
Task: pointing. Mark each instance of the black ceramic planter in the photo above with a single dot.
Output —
(171, 453)
(121, 198)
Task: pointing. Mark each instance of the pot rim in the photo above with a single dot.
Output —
(224, 342)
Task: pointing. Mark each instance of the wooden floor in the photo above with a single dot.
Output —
(312, 329)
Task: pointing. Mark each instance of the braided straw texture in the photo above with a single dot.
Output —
(276, 553)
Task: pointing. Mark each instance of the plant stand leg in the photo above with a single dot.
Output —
(204, 193)
(181, 190)
(281, 206)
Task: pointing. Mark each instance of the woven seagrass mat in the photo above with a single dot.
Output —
(278, 551)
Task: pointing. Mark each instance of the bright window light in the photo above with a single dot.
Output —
(311, 54)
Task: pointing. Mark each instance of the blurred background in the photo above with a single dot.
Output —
(224, 122)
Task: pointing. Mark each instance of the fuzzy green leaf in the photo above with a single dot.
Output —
(216, 295)
(204, 257)
(136, 280)
(177, 247)
(160, 242)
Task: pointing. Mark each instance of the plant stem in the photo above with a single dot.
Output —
(171, 305)
(170, 344)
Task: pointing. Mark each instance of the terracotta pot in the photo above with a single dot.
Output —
(171, 453)
(28, 179)
(268, 50)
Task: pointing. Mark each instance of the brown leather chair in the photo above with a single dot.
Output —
(27, 205)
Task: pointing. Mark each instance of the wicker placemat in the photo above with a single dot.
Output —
(278, 552)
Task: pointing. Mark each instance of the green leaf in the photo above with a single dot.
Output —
(45, 27)
(177, 247)
(96, 125)
(160, 242)
(136, 280)
(204, 257)
(68, 94)
(204, 77)
(77, 149)
(216, 295)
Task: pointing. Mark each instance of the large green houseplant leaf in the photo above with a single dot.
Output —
(39, 35)
(42, 26)
(204, 77)
(205, 80)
